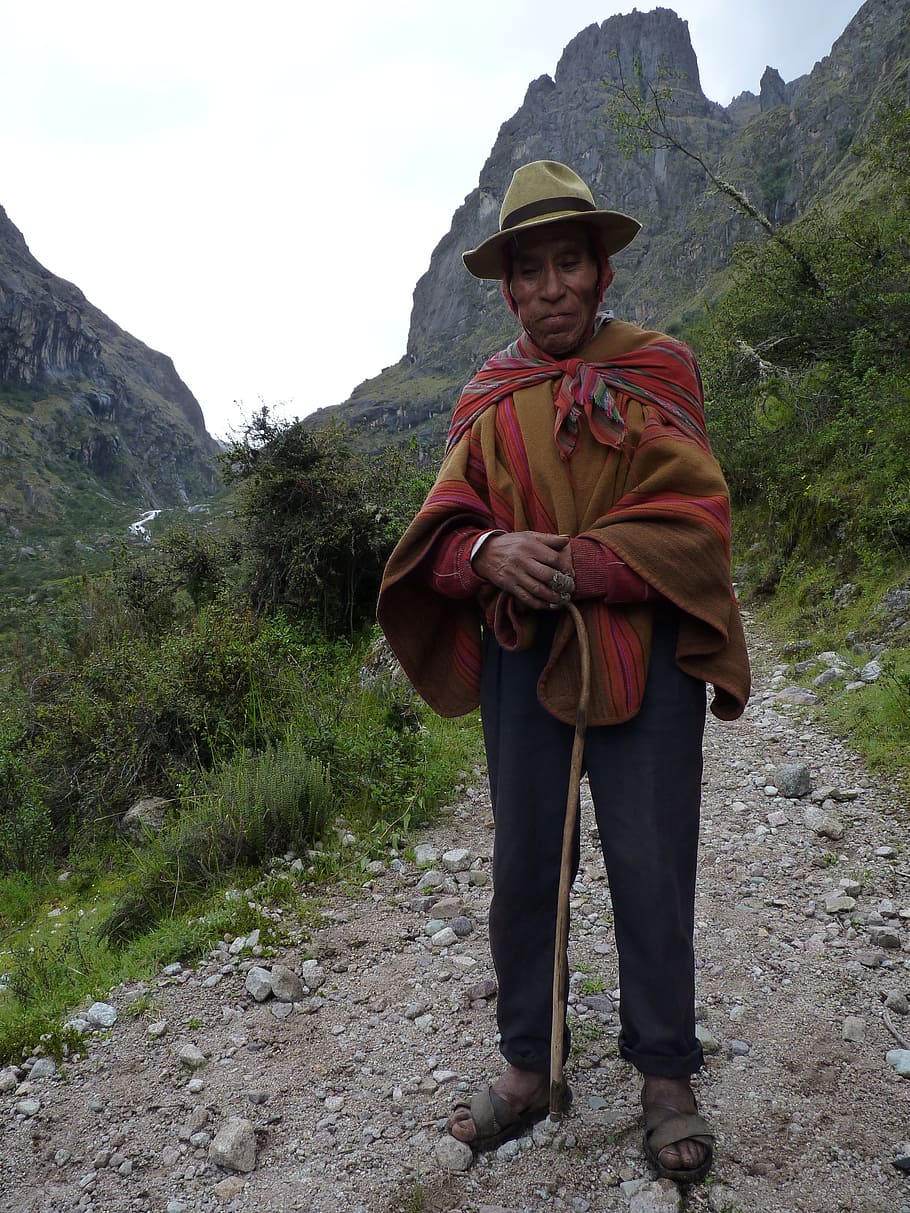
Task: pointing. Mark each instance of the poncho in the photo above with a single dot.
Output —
(612, 445)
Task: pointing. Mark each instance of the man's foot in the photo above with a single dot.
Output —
(669, 1108)
(511, 1104)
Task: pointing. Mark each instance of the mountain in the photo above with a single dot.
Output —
(788, 147)
(89, 415)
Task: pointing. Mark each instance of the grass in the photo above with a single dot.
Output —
(212, 875)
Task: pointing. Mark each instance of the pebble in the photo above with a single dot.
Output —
(660, 1196)
(854, 1029)
(822, 823)
(453, 1155)
(457, 860)
(897, 1001)
(709, 1042)
(313, 975)
(157, 1029)
(101, 1015)
(191, 1056)
(234, 1145)
(286, 985)
(259, 983)
(793, 780)
(900, 1060)
(837, 902)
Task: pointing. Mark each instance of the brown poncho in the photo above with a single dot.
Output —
(631, 466)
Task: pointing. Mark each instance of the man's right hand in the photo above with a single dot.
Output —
(523, 563)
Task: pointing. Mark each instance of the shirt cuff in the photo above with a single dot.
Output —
(600, 573)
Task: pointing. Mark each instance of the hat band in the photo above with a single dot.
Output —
(545, 206)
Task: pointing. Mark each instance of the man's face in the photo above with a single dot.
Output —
(554, 285)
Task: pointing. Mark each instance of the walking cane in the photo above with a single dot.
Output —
(558, 1090)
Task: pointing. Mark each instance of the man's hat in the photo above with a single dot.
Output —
(543, 192)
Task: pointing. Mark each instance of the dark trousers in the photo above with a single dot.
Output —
(645, 779)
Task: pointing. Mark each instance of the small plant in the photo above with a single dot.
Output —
(251, 809)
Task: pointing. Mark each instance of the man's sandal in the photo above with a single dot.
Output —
(667, 1127)
(496, 1121)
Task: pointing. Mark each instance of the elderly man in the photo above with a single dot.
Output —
(578, 467)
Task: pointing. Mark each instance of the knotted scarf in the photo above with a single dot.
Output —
(663, 374)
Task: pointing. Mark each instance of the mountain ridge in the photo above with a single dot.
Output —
(787, 147)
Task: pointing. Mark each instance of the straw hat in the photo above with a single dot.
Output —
(543, 192)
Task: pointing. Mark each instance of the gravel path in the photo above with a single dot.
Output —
(334, 1088)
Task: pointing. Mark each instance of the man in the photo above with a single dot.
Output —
(578, 467)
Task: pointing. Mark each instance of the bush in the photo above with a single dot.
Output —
(253, 807)
(320, 520)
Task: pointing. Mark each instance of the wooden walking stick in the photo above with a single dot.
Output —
(558, 1089)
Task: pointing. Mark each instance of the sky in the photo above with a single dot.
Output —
(255, 189)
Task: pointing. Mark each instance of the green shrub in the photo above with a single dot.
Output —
(253, 807)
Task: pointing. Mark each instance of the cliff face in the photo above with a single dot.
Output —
(787, 147)
(81, 400)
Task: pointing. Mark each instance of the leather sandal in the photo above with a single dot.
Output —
(666, 1127)
(496, 1121)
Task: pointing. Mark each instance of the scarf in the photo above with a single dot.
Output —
(663, 374)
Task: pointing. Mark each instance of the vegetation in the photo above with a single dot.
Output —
(806, 363)
(220, 669)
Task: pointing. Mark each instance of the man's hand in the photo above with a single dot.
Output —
(523, 563)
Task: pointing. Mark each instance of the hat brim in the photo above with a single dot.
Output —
(615, 230)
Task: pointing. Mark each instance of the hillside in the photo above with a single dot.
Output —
(789, 147)
(95, 427)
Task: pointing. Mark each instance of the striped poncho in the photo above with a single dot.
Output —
(610, 445)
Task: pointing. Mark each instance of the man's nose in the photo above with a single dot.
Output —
(551, 285)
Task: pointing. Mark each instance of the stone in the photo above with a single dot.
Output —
(822, 823)
(9, 1080)
(425, 853)
(871, 671)
(462, 926)
(457, 860)
(854, 1029)
(837, 902)
(659, 1196)
(27, 1107)
(191, 1056)
(446, 908)
(453, 1155)
(884, 937)
(482, 990)
(431, 880)
(826, 677)
(777, 818)
(897, 1002)
(796, 695)
(101, 1015)
(234, 1145)
(145, 818)
(899, 1059)
(286, 985)
(229, 1188)
(157, 1029)
(709, 1042)
(793, 780)
(444, 938)
(259, 983)
(313, 975)
(44, 1067)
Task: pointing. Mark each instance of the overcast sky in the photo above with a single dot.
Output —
(255, 188)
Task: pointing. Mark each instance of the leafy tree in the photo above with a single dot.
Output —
(319, 519)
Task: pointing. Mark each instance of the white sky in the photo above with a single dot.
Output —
(255, 188)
